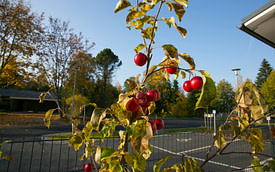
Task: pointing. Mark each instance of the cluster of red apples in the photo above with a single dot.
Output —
(195, 83)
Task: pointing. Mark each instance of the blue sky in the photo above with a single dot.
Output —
(212, 39)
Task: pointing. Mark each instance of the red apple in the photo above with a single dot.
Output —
(88, 167)
(187, 87)
(131, 105)
(172, 70)
(196, 83)
(151, 95)
(159, 123)
(154, 127)
(140, 59)
(141, 99)
(157, 94)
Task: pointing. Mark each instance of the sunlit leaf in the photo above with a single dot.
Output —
(48, 116)
(256, 112)
(191, 165)
(169, 21)
(133, 15)
(146, 7)
(220, 141)
(169, 5)
(183, 74)
(208, 92)
(181, 30)
(139, 47)
(170, 50)
(42, 97)
(189, 60)
(141, 22)
(97, 115)
(158, 164)
(183, 2)
(138, 134)
(147, 33)
(244, 123)
(122, 4)
(179, 10)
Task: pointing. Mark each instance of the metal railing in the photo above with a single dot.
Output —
(47, 155)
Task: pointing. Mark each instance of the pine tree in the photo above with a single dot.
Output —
(263, 73)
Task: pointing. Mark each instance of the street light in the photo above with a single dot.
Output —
(237, 86)
(236, 74)
(73, 94)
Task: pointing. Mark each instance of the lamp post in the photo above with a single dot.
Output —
(237, 86)
(73, 95)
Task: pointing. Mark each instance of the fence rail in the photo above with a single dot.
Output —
(46, 155)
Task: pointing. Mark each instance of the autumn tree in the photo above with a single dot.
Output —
(263, 73)
(225, 98)
(106, 63)
(20, 35)
(59, 46)
(268, 91)
(85, 64)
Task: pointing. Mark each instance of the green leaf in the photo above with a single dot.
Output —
(76, 141)
(133, 15)
(138, 135)
(271, 164)
(87, 131)
(48, 116)
(208, 92)
(183, 2)
(139, 47)
(147, 33)
(256, 112)
(5, 142)
(169, 21)
(256, 165)
(152, 107)
(181, 30)
(141, 22)
(115, 166)
(179, 10)
(220, 141)
(175, 167)
(103, 153)
(108, 128)
(42, 97)
(255, 140)
(137, 163)
(158, 165)
(170, 51)
(244, 123)
(188, 59)
(191, 165)
(122, 4)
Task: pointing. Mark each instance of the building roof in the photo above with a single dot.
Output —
(261, 23)
(24, 94)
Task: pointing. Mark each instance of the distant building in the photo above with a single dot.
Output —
(13, 100)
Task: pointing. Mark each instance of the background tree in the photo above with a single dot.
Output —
(85, 73)
(60, 43)
(20, 35)
(129, 84)
(263, 73)
(106, 64)
(225, 98)
(268, 91)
